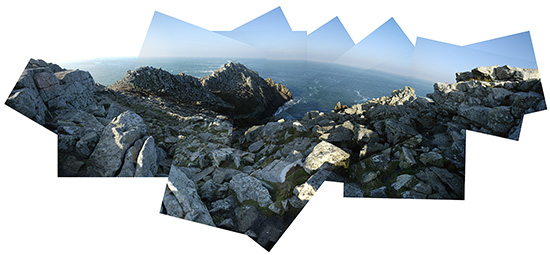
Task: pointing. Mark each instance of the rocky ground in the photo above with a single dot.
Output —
(227, 169)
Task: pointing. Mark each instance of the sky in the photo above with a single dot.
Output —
(438, 62)
(171, 37)
(387, 43)
(328, 42)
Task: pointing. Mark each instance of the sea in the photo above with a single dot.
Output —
(314, 85)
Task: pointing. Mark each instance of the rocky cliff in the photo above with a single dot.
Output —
(179, 88)
(252, 96)
(256, 179)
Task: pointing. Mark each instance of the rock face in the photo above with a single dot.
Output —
(117, 137)
(185, 192)
(253, 97)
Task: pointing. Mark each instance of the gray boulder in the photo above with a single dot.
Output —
(185, 191)
(249, 188)
(147, 164)
(116, 138)
(326, 156)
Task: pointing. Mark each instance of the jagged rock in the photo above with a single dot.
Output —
(130, 159)
(185, 191)
(252, 97)
(147, 164)
(172, 206)
(432, 158)
(455, 182)
(74, 90)
(379, 192)
(220, 155)
(403, 181)
(179, 88)
(222, 175)
(423, 188)
(223, 205)
(406, 159)
(86, 144)
(227, 223)
(208, 190)
(397, 131)
(413, 194)
(27, 102)
(116, 138)
(256, 146)
(353, 190)
(431, 179)
(306, 190)
(66, 143)
(276, 171)
(340, 133)
(245, 217)
(326, 156)
(494, 73)
(249, 188)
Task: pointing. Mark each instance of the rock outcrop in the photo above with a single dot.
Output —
(252, 97)
(180, 88)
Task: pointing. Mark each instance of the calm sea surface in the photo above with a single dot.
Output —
(315, 86)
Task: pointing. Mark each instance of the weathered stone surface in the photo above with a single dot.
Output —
(74, 91)
(306, 190)
(245, 217)
(432, 158)
(130, 159)
(406, 159)
(249, 188)
(455, 182)
(379, 192)
(276, 171)
(116, 138)
(147, 164)
(185, 191)
(172, 206)
(27, 102)
(353, 190)
(326, 156)
(403, 181)
(86, 144)
(256, 146)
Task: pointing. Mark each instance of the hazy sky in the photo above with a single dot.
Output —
(438, 62)
(328, 42)
(171, 37)
(272, 34)
(386, 43)
(273, 20)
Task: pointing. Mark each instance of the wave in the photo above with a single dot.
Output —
(362, 98)
(288, 105)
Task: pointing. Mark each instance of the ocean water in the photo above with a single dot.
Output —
(315, 86)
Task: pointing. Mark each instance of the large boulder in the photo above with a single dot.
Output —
(326, 156)
(185, 191)
(147, 163)
(249, 188)
(115, 139)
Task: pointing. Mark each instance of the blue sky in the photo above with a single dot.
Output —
(380, 48)
(171, 37)
(438, 62)
(328, 42)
